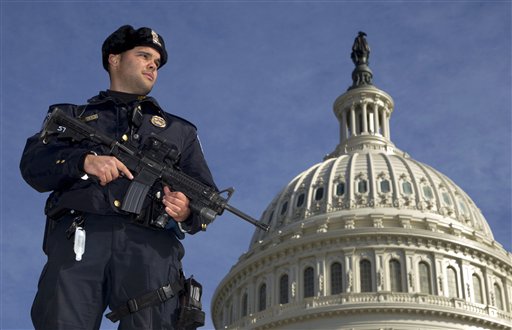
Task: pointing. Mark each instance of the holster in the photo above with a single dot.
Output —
(191, 315)
(53, 215)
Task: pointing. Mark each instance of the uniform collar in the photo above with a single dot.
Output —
(104, 97)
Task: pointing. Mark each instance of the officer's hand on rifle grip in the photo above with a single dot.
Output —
(176, 204)
(105, 168)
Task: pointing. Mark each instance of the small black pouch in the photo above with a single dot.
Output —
(191, 315)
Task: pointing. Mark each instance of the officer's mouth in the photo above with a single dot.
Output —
(149, 76)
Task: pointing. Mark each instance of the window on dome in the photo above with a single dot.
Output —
(463, 207)
(340, 189)
(498, 297)
(362, 186)
(365, 270)
(262, 297)
(452, 282)
(427, 191)
(395, 274)
(477, 289)
(300, 200)
(407, 188)
(385, 187)
(336, 278)
(319, 193)
(284, 208)
(244, 305)
(283, 289)
(425, 280)
(446, 198)
(309, 282)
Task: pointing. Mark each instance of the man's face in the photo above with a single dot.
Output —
(134, 71)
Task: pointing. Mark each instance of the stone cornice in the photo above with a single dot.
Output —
(297, 239)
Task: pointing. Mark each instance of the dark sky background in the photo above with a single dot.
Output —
(259, 79)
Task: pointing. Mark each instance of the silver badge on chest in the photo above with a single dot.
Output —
(158, 121)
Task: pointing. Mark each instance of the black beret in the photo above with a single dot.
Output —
(126, 38)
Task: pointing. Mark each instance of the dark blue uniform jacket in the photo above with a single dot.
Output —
(58, 165)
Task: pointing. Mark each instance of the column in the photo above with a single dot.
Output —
(380, 271)
(488, 286)
(348, 268)
(466, 281)
(320, 268)
(410, 274)
(376, 118)
(364, 118)
(384, 122)
(251, 297)
(507, 294)
(353, 120)
(236, 305)
(438, 275)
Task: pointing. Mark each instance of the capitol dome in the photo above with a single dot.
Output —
(369, 238)
(367, 182)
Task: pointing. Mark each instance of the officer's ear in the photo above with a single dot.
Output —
(113, 60)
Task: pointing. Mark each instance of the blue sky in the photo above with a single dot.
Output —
(259, 79)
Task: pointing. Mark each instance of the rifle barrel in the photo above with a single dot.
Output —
(246, 217)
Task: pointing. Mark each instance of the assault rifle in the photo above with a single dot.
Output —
(156, 161)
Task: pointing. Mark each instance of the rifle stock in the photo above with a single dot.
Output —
(204, 200)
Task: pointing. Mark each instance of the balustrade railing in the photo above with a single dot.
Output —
(371, 299)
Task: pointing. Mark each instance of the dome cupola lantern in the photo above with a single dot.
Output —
(364, 110)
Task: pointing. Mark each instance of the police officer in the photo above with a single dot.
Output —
(127, 263)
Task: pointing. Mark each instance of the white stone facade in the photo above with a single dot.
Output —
(369, 239)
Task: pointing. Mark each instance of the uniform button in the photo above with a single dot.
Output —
(203, 226)
(117, 203)
(124, 137)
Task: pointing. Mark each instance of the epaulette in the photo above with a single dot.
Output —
(62, 105)
(66, 107)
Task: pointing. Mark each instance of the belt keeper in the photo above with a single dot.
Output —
(132, 305)
(162, 293)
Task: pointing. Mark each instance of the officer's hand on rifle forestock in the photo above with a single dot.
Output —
(176, 204)
(105, 168)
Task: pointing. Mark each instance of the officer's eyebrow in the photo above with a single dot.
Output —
(148, 54)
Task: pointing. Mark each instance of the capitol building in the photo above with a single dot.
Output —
(369, 238)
